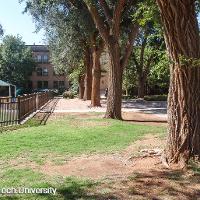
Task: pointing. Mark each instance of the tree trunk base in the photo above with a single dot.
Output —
(108, 116)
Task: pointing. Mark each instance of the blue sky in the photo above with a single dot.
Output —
(15, 22)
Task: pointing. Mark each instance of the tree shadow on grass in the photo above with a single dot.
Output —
(165, 185)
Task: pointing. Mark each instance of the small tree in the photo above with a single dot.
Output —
(16, 61)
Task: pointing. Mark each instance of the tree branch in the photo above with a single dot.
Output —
(129, 46)
(135, 61)
(107, 10)
(99, 22)
(120, 5)
(144, 43)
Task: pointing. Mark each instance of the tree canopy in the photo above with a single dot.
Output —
(16, 62)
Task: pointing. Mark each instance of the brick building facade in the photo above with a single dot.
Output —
(44, 77)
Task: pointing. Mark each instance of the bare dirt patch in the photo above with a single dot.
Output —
(77, 115)
(143, 118)
(100, 166)
(80, 124)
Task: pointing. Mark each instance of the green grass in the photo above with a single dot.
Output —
(68, 136)
(30, 123)
(70, 188)
(72, 136)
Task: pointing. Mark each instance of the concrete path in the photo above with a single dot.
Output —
(158, 109)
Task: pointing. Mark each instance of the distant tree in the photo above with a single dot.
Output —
(16, 61)
(159, 73)
(113, 21)
(1, 30)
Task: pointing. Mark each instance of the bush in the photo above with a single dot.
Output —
(68, 95)
(156, 98)
(125, 97)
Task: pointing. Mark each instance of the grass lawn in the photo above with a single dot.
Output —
(66, 136)
(72, 136)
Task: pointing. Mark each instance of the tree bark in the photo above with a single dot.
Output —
(88, 76)
(182, 39)
(96, 75)
(115, 82)
(141, 86)
(81, 86)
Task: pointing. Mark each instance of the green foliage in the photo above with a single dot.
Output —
(68, 95)
(189, 62)
(149, 58)
(160, 73)
(147, 12)
(1, 30)
(156, 98)
(16, 61)
(129, 77)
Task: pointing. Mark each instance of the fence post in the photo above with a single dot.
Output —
(37, 101)
(19, 109)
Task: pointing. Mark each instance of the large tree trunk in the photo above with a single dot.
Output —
(115, 82)
(141, 86)
(96, 74)
(88, 76)
(182, 39)
(81, 86)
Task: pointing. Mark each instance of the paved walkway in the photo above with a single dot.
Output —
(158, 109)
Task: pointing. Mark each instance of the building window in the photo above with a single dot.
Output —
(39, 71)
(42, 71)
(42, 84)
(45, 59)
(45, 84)
(45, 72)
(55, 84)
(39, 84)
(61, 84)
(39, 58)
(30, 84)
(42, 58)
(58, 84)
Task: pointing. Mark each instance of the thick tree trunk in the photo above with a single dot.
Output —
(115, 82)
(182, 39)
(88, 76)
(81, 86)
(96, 75)
(141, 86)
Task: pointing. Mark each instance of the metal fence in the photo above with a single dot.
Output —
(14, 110)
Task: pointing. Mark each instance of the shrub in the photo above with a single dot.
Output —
(156, 98)
(68, 94)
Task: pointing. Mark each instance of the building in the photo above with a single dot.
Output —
(44, 76)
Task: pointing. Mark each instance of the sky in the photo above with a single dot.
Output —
(15, 22)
